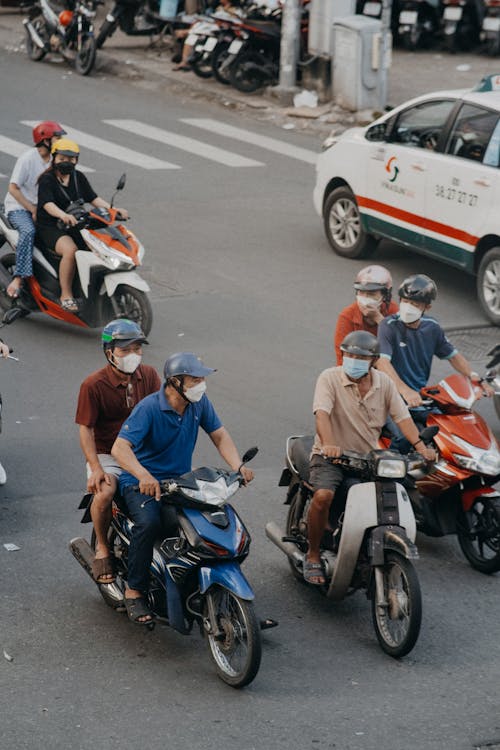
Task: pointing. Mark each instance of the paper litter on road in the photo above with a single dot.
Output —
(305, 99)
(8, 656)
(10, 547)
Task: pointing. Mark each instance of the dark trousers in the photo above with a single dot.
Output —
(144, 511)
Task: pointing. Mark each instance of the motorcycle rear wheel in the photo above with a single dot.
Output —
(478, 532)
(134, 305)
(34, 51)
(85, 56)
(237, 653)
(295, 513)
(9, 263)
(107, 29)
(397, 625)
(246, 81)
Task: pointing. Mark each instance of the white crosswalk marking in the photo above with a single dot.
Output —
(240, 134)
(113, 150)
(191, 145)
(16, 148)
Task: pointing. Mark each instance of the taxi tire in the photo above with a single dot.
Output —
(492, 256)
(365, 244)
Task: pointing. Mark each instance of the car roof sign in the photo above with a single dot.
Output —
(488, 83)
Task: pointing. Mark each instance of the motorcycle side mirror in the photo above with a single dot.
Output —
(251, 453)
(428, 433)
(120, 186)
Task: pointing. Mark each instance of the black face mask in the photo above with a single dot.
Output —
(65, 167)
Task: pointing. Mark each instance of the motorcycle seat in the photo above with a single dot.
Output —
(264, 27)
(300, 452)
(11, 234)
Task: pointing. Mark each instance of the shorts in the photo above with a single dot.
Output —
(323, 475)
(109, 465)
(50, 235)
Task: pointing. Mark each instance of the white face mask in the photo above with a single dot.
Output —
(129, 363)
(195, 393)
(409, 313)
(368, 301)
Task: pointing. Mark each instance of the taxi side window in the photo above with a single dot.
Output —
(421, 126)
(473, 135)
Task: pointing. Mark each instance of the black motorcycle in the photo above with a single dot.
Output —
(462, 21)
(418, 23)
(133, 18)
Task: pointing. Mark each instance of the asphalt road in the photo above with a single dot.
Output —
(240, 273)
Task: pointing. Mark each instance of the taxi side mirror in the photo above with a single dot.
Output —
(376, 132)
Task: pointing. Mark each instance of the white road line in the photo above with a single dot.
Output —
(113, 150)
(16, 148)
(191, 145)
(240, 134)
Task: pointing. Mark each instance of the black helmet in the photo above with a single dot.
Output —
(362, 343)
(418, 288)
(185, 363)
(122, 332)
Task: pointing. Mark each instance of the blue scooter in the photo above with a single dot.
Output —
(195, 571)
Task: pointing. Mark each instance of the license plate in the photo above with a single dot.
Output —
(408, 17)
(235, 47)
(191, 39)
(452, 13)
(491, 24)
(371, 9)
(210, 44)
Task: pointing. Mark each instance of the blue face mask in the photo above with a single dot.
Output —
(355, 368)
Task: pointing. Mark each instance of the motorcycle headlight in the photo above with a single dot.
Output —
(391, 468)
(479, 460)
(212, 493)
(112, 258)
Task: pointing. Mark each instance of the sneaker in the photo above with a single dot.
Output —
(3, 475)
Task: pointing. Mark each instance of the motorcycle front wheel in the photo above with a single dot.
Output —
(219, 56)
(85, 55)
(236, 651)
(397, 621)
(35, 52)
(202, 65)
(478, 531)
(133, 304)
(247, 79)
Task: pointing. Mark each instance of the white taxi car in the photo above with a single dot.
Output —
(427, 175)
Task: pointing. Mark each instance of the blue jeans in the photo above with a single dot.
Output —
(147, 528)
(22, 220)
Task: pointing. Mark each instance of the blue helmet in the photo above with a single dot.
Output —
(185, 363)
(122, 332)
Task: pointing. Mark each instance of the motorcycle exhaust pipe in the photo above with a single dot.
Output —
(274, 533)
(34, 34)
(84, 554)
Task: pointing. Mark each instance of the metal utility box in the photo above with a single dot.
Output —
(358, 69)
(322, 16)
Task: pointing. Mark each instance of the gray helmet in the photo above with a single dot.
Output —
(121, 332)
(418, 288)
(374, 279)
(361, 342)
(185, 363)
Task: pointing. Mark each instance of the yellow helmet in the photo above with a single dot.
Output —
(65, 146)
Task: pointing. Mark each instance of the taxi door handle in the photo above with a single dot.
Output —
(418, 167)
(483, 182)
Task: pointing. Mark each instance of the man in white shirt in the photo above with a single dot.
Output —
(21, 198)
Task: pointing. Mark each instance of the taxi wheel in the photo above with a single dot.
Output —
(343, 226)
(488, 285)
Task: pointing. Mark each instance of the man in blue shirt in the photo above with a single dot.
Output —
(157, 442)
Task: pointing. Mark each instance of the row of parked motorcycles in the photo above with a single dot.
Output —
(455, 25)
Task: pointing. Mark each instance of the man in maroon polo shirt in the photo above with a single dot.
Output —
(105, 401)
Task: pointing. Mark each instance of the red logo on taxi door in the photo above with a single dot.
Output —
(392, 169)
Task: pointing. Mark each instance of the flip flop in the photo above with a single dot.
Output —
(136, 608)
(69, 304)
(314, 570)
(16, 292)
(102, 567)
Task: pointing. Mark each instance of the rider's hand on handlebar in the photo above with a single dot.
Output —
(148, 485)
(331, 451)
(247, 474)
(411, 397)
(122, 213)
(429, 454)
(69, 220)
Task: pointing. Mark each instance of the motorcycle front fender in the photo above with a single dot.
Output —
(129, 278)
(229, 576)
(469, 497)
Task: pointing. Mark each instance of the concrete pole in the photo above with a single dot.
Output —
(385, 49)
(289, 51)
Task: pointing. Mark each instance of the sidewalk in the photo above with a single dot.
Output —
(149, 66)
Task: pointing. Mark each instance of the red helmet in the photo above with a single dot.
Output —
(46, 130)
(374, 279)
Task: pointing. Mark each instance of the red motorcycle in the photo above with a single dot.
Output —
(457, 496)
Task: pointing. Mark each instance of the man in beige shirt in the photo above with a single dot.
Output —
(351, 405)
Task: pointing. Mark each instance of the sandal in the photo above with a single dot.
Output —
(69, 304)
(183, 67)
(103, 570)
(268, 623)
(14, 292)
(314, 573)
(137, 608)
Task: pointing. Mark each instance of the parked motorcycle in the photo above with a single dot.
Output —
(418, 23)
(134, 18)
(458, 496)
(69, 33)
(493, 375)
(462, 22)
(106, 282)
(195, 572)
(372, 545)
(373, 9)
(490, 28)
